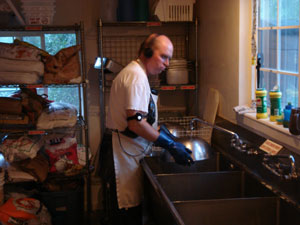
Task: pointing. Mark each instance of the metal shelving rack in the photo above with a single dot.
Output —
(82, 123)
(120, 41)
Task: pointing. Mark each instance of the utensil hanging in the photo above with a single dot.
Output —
(258, 65)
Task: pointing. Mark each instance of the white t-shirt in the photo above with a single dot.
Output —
(130, 90)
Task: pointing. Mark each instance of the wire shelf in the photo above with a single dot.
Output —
(124, 48)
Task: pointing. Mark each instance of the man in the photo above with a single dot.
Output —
(132, 117)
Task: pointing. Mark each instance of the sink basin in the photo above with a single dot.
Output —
(158, 166)
(211, 185)
(245, 211)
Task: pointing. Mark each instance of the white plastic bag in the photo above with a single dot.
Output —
(57, 115)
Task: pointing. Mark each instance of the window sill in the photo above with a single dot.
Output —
(269, 130)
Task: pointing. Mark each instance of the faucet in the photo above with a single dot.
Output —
(236, 142)
(278, 168)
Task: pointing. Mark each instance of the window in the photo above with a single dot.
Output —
(52, 42)
(278, 46)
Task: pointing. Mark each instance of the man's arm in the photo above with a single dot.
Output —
(180, 153)
(142, 128)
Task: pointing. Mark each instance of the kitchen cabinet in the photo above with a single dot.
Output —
(120, 42)
(80, 130)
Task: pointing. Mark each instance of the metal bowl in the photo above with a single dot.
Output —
(201, 150)
(176, 129)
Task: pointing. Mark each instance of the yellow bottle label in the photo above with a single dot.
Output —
(275, 109)
(261, 104)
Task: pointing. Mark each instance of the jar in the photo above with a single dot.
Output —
(261, 103)
(294, 124)
(275, 100)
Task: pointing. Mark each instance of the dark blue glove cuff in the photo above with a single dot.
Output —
(166, 130)
(164, 140)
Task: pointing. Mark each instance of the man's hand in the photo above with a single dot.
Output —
(179, 152)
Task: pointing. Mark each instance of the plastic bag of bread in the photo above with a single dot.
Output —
(19, 78)
(63, 67)
(13, 51)
(43, 53)
(10, 65)
(57, 115)
(16, 149)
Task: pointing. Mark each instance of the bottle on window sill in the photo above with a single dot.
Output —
(287, 114)
(275, 100)
(261, 103)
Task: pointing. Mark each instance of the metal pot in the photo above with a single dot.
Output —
(175, 128)
(201, 150)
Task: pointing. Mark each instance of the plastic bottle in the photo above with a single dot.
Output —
(261, 103)
(275, 100)
(287, 114)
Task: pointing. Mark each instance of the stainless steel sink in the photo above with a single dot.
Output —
(211, 198)
(207, 193)
(210, 185)
(195, 195)
(158, 166)
(241, 211)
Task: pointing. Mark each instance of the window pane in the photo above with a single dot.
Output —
(55, 42)
(288, 86)
(267, 48)
(63, 94)
(288, 12)
(6, 92)
(289, 89)
(36, 41)
(7, 39)
(267, 13)
(268, 80)
(288, 51)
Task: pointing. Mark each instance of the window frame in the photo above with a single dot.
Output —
(277, 71)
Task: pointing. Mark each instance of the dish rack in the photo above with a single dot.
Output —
(201, 130)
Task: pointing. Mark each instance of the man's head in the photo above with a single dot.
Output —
(155, 53)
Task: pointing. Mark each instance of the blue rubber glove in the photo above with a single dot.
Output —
(179, 152)
(166, 130)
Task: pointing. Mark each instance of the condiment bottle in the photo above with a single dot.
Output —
(287, 114)
(275, 100)
(261, 103)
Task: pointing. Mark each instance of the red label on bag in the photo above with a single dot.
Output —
(62, 155)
